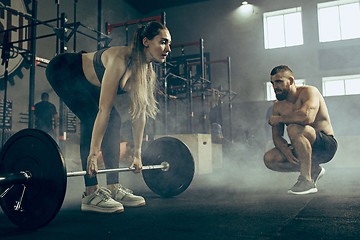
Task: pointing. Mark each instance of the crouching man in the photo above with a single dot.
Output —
(303, 110)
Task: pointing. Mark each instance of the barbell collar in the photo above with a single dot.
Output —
(14, 178)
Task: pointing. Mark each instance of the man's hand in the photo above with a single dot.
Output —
(290, 156)
(274, 120)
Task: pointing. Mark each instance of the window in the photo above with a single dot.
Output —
(339, 20)
(341, 85)
(283, 28)
(270, 94)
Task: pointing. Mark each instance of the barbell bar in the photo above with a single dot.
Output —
(23, 177)
(163, 166)
(33, 175)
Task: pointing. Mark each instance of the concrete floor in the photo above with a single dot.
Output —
(243, 200)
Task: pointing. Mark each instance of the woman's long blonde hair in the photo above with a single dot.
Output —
(143, 75)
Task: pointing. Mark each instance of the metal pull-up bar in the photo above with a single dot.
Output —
(110, 27)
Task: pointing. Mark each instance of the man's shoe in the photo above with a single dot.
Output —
(318, 174)
(303, 186)
(126, 197)
(101, 201)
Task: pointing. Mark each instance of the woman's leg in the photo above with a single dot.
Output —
(111, 146)
(66, 76)
(86, 127)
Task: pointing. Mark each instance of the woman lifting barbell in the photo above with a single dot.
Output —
(91, 84)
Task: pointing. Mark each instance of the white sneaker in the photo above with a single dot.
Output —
(126, 197)
(303, 186)
(101, 201)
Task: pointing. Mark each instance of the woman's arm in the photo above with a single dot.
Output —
(138, 126)
(108, 92)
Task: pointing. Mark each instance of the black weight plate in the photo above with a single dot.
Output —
(36, 152)
(181, 172)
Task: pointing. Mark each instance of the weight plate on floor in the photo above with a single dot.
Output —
(33, 151)
(180, 173)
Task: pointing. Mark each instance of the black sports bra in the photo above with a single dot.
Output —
(100, 69)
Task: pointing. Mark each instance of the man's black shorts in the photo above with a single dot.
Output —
(324, 148)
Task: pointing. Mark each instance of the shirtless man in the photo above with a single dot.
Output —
(304, 112)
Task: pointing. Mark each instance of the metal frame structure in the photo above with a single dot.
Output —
(200, 45)
(61, 40)
(231, 95)
(203, 63)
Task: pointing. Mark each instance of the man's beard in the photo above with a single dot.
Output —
(282, 95)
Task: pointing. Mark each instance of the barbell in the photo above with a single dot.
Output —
(33, 175)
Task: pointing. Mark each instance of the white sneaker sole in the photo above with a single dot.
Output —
(92, 208)
(133, 204)
(311, 190)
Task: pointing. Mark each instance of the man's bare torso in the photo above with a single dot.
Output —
(322, 119)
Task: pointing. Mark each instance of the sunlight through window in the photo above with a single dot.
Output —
(283, 28)
(341, 85)
(339, 20)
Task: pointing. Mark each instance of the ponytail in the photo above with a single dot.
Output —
(143, 75)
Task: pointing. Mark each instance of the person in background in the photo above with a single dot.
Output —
(46, 116)
(215, 117)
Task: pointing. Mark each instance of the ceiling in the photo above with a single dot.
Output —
(147, 6)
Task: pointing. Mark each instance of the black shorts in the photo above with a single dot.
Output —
(324, 148)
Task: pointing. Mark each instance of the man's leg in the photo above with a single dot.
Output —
(302, 138)
(276, 161)
(323, 150)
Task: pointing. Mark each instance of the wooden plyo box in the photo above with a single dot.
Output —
(201, 149)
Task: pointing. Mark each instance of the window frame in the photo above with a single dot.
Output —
(337, 4)
(282, 13)
(343, 79)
